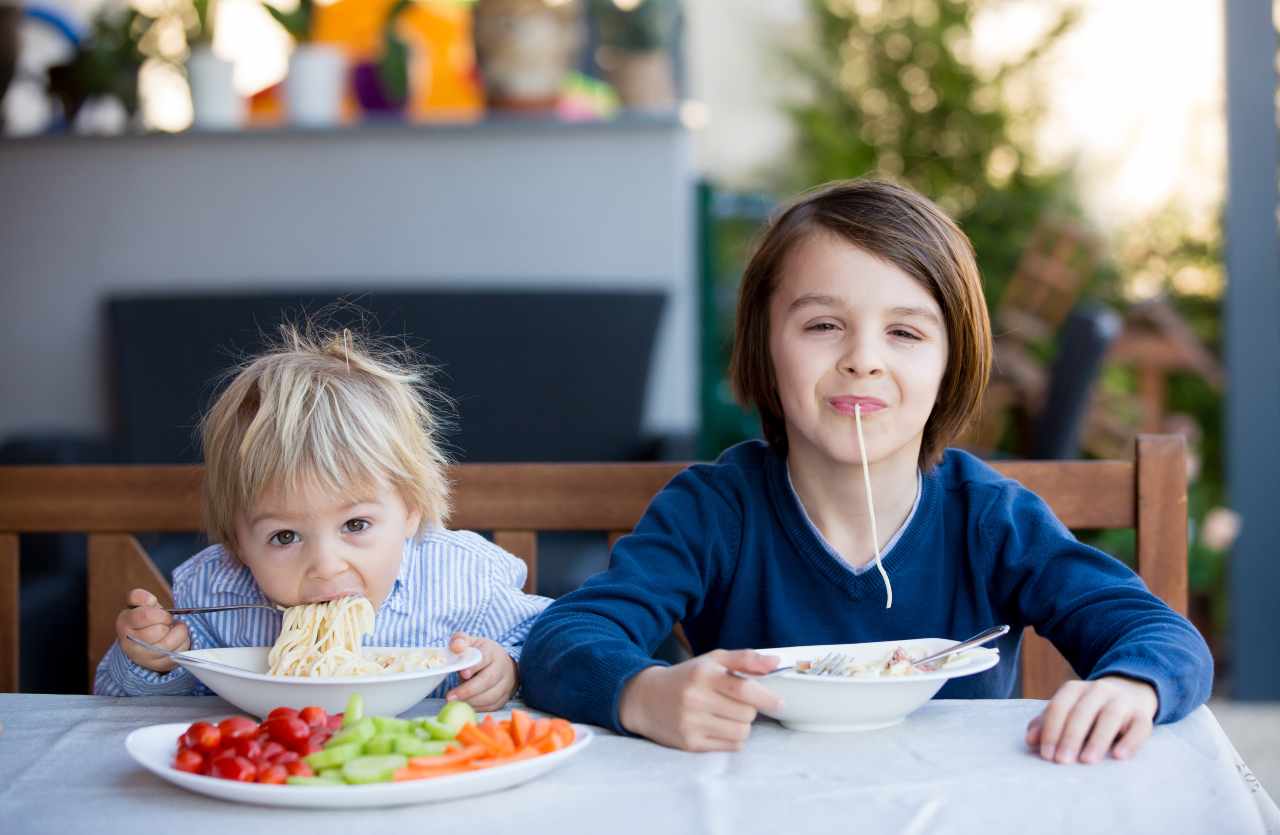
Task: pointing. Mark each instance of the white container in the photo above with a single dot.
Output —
(253, 691)
(215, 103)
(315, 86)
(153, 747)
(836, 704)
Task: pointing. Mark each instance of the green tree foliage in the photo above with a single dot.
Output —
(895, 92)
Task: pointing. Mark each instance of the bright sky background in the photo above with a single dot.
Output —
(1134, 93)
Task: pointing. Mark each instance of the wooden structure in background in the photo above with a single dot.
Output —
(516, 501)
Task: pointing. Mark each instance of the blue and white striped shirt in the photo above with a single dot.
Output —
(449, 581)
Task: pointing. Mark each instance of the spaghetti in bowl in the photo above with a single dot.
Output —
(873, 690)
(416, 672)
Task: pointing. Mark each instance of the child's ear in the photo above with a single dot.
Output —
(412, 524)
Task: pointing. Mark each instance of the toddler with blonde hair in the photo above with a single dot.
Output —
(323, 479)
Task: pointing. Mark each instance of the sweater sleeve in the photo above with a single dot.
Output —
(1092, 607)
(587, 645)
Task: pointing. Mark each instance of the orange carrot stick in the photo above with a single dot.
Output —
(521, 728)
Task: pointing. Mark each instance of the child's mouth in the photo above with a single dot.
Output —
(329, 597)
(849, 404)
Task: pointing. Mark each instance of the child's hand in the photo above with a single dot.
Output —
(491, 683)
(1098, 711)
(699, 705)
(155, 626)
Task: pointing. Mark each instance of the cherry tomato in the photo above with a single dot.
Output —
(272, 774)
(298, 768)
(314, 716)
(282, 711)
(271, 750)
(189, 761)
(237, 727)
(314, 743)
(234, 768)
(225, 753)
(285, 758)
(289, 731)
(202, 736)
(334, 722)
(251, 749)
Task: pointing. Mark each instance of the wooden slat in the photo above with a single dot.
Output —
(1043, 668)
(555, 497)
(524, 544)
(100, 499)
(1083, 494)
(8, 613)
(547, 497)
(117, 565)
(1162, 517)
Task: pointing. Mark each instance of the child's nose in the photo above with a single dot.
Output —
(326, 562)
(862, 357)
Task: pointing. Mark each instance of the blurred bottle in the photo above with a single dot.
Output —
(443, 84)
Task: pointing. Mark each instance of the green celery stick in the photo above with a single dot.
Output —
(373, 769)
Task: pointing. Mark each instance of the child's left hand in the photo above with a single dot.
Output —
(490, 684)
(1098, 711)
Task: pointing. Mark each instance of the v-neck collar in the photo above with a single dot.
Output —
(809, 544)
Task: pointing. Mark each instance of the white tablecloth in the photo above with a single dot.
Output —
(952, 767)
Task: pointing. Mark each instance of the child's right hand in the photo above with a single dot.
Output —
(146, 620)
(699, 705)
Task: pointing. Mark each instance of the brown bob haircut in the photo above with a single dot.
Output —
(903, 229)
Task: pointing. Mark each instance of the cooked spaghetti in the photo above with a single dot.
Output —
(324, 639)
(871, 507)
(896, 664)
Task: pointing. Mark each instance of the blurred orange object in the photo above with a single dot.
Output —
(266, 107)
(443, 82)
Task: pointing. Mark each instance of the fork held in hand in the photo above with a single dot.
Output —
(184, 657)
(197, 610)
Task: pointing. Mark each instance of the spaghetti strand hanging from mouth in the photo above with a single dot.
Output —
(871, 507)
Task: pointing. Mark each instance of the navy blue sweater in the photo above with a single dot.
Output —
(725, 549)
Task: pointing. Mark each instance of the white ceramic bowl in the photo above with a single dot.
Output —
(257, 693)
(836, 704)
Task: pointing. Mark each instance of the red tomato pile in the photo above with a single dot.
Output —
(241, 749)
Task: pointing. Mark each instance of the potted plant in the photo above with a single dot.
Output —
(100, 82)
(314, 86)
(215, 103)
(525, 50)
(382, 84)
(635, 50)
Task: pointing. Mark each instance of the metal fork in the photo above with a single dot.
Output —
(197, 610)
(931, 662)
(829, 664)
(185, 658)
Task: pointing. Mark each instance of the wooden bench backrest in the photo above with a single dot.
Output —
(516, 501)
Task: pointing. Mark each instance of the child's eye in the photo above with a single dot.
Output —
(905, 334)
(821, 327)
(356, 525)
(283, 538)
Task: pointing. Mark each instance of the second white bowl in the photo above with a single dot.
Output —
(836, 704)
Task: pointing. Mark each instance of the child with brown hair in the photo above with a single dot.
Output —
(861, 314)
(324, 478)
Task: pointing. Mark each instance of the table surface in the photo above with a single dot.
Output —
(951, 767)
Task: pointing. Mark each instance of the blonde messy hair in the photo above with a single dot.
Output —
(324, 408)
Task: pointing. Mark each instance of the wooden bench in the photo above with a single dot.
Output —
(516, 501)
